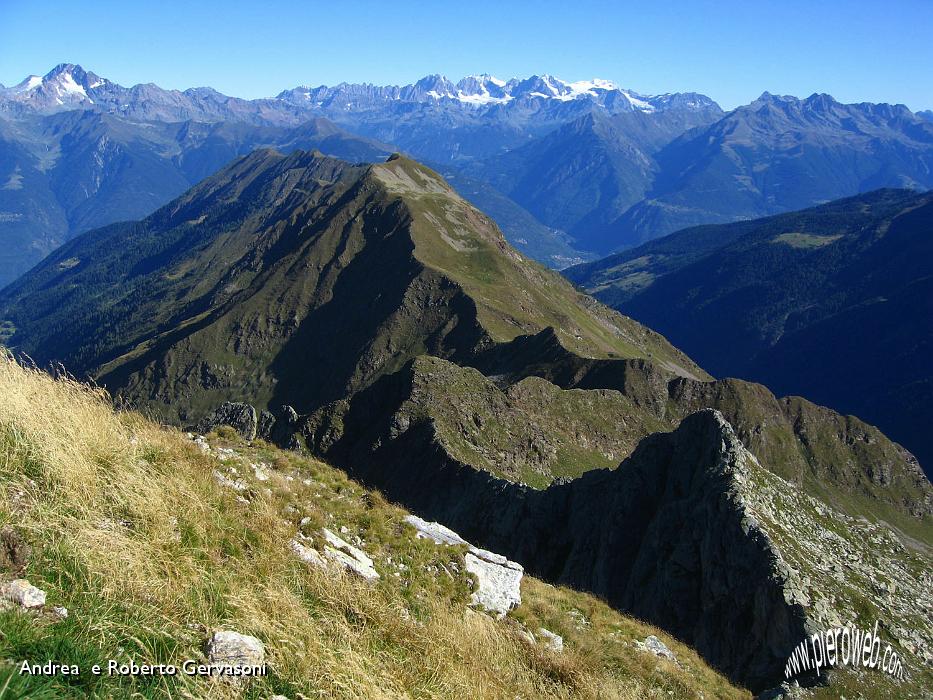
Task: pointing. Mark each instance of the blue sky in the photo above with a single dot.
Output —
(856, 50)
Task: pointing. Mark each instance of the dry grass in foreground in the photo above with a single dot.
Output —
(131, 531)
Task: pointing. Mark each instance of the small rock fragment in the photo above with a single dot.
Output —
(554, 641)
(228, 650)
(23, 593)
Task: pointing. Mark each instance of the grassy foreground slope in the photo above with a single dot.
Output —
(133, 531)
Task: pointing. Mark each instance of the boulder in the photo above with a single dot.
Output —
(498, 579)
(284, 425)
(239, 416)
(22, 593)
(265, 425)
(655, 646)
(232, 649)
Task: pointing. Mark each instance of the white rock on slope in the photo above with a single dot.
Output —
(499, 579)
(554, 641)
(234, 650)
(353, 558)
(22, 593)
(308, 555)
(655, 646)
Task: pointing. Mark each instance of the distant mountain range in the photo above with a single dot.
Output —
(570, 170)
(68, 86)
(834, 303)
(71, 171)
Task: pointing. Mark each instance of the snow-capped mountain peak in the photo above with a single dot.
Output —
(66, 84)
(69, 86)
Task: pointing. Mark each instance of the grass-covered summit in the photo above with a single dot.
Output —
(298, 279)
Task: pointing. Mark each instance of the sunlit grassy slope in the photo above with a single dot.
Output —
(132, 531)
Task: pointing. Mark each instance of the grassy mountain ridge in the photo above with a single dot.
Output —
(234, 280)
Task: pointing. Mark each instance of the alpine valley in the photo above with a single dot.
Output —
(370, 316)
(833, 302)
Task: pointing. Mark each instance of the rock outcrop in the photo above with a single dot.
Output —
(498, 579)
(239, 416)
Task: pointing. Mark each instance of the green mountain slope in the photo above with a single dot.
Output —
(834, 303)
(234, 285)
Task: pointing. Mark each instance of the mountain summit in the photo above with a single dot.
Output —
(235, 283)
(69, 86)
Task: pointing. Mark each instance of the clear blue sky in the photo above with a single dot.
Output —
(856, 50)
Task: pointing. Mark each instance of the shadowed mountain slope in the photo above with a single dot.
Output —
(232, 286)
(833, 303)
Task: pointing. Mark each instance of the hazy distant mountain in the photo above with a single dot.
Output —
(78, 150)
(518, 104)
(834, 303)
(68, 86)
(778, 154)
(480, 116)
(582, 176)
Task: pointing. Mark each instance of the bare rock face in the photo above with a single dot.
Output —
(239, 416)
(498, 579)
